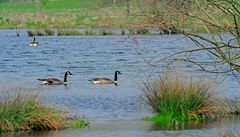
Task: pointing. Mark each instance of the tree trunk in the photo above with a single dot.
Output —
(128, 7)
(114, 3)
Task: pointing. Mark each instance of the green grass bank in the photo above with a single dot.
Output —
(87, 14)
(65, 14)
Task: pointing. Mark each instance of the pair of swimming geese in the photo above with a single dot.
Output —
(54, 81)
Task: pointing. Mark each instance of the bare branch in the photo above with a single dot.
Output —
(203, 68)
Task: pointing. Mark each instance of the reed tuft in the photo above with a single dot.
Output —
(40, 32)
(68, 32)
(175, 99)
(19, 111)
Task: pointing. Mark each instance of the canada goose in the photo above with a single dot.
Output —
(106, 80)
(54, 81)
(34, 43)
(18, 33)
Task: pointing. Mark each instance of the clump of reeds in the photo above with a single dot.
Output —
(142, 31)
(68, 32)
(89, 32)
(232, 106)
(31, 33)
(25, 112)
(139, 31)
(123, 32)
(230, 133)
(176, 99)
(49, 32)
(105, 32)
(40, 32)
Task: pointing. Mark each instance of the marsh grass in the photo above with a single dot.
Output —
(89, 32)
(176, 99)
(139, 31)
(123, 32)
(68, 32)
(24, 112)
(19, 111)
(40, 32)
(232, 106)
(106, 32)
(142, 31)
(230, 133)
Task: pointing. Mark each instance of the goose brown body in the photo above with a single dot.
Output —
(55, 81)
(102, 81)
(106, 80)
(51, 81)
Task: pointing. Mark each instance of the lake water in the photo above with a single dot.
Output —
(111, 110)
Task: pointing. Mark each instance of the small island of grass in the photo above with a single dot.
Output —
(176, 100)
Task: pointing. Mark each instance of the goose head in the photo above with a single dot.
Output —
(68, 73)
(118, 72)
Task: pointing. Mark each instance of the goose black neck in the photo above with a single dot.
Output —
(116, 76)
(34, 40)
(65, 77)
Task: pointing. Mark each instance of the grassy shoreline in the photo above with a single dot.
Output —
(64, 14)
(96, 31)
(79, 14)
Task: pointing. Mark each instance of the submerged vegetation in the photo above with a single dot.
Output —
(175, 99)
(76, 123)
(19, 111)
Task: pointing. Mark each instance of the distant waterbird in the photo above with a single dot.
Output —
(17, 33)
(34, 43)
(54, 81)
(103, 80)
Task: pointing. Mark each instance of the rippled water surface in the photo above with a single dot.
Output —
(111, 110)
